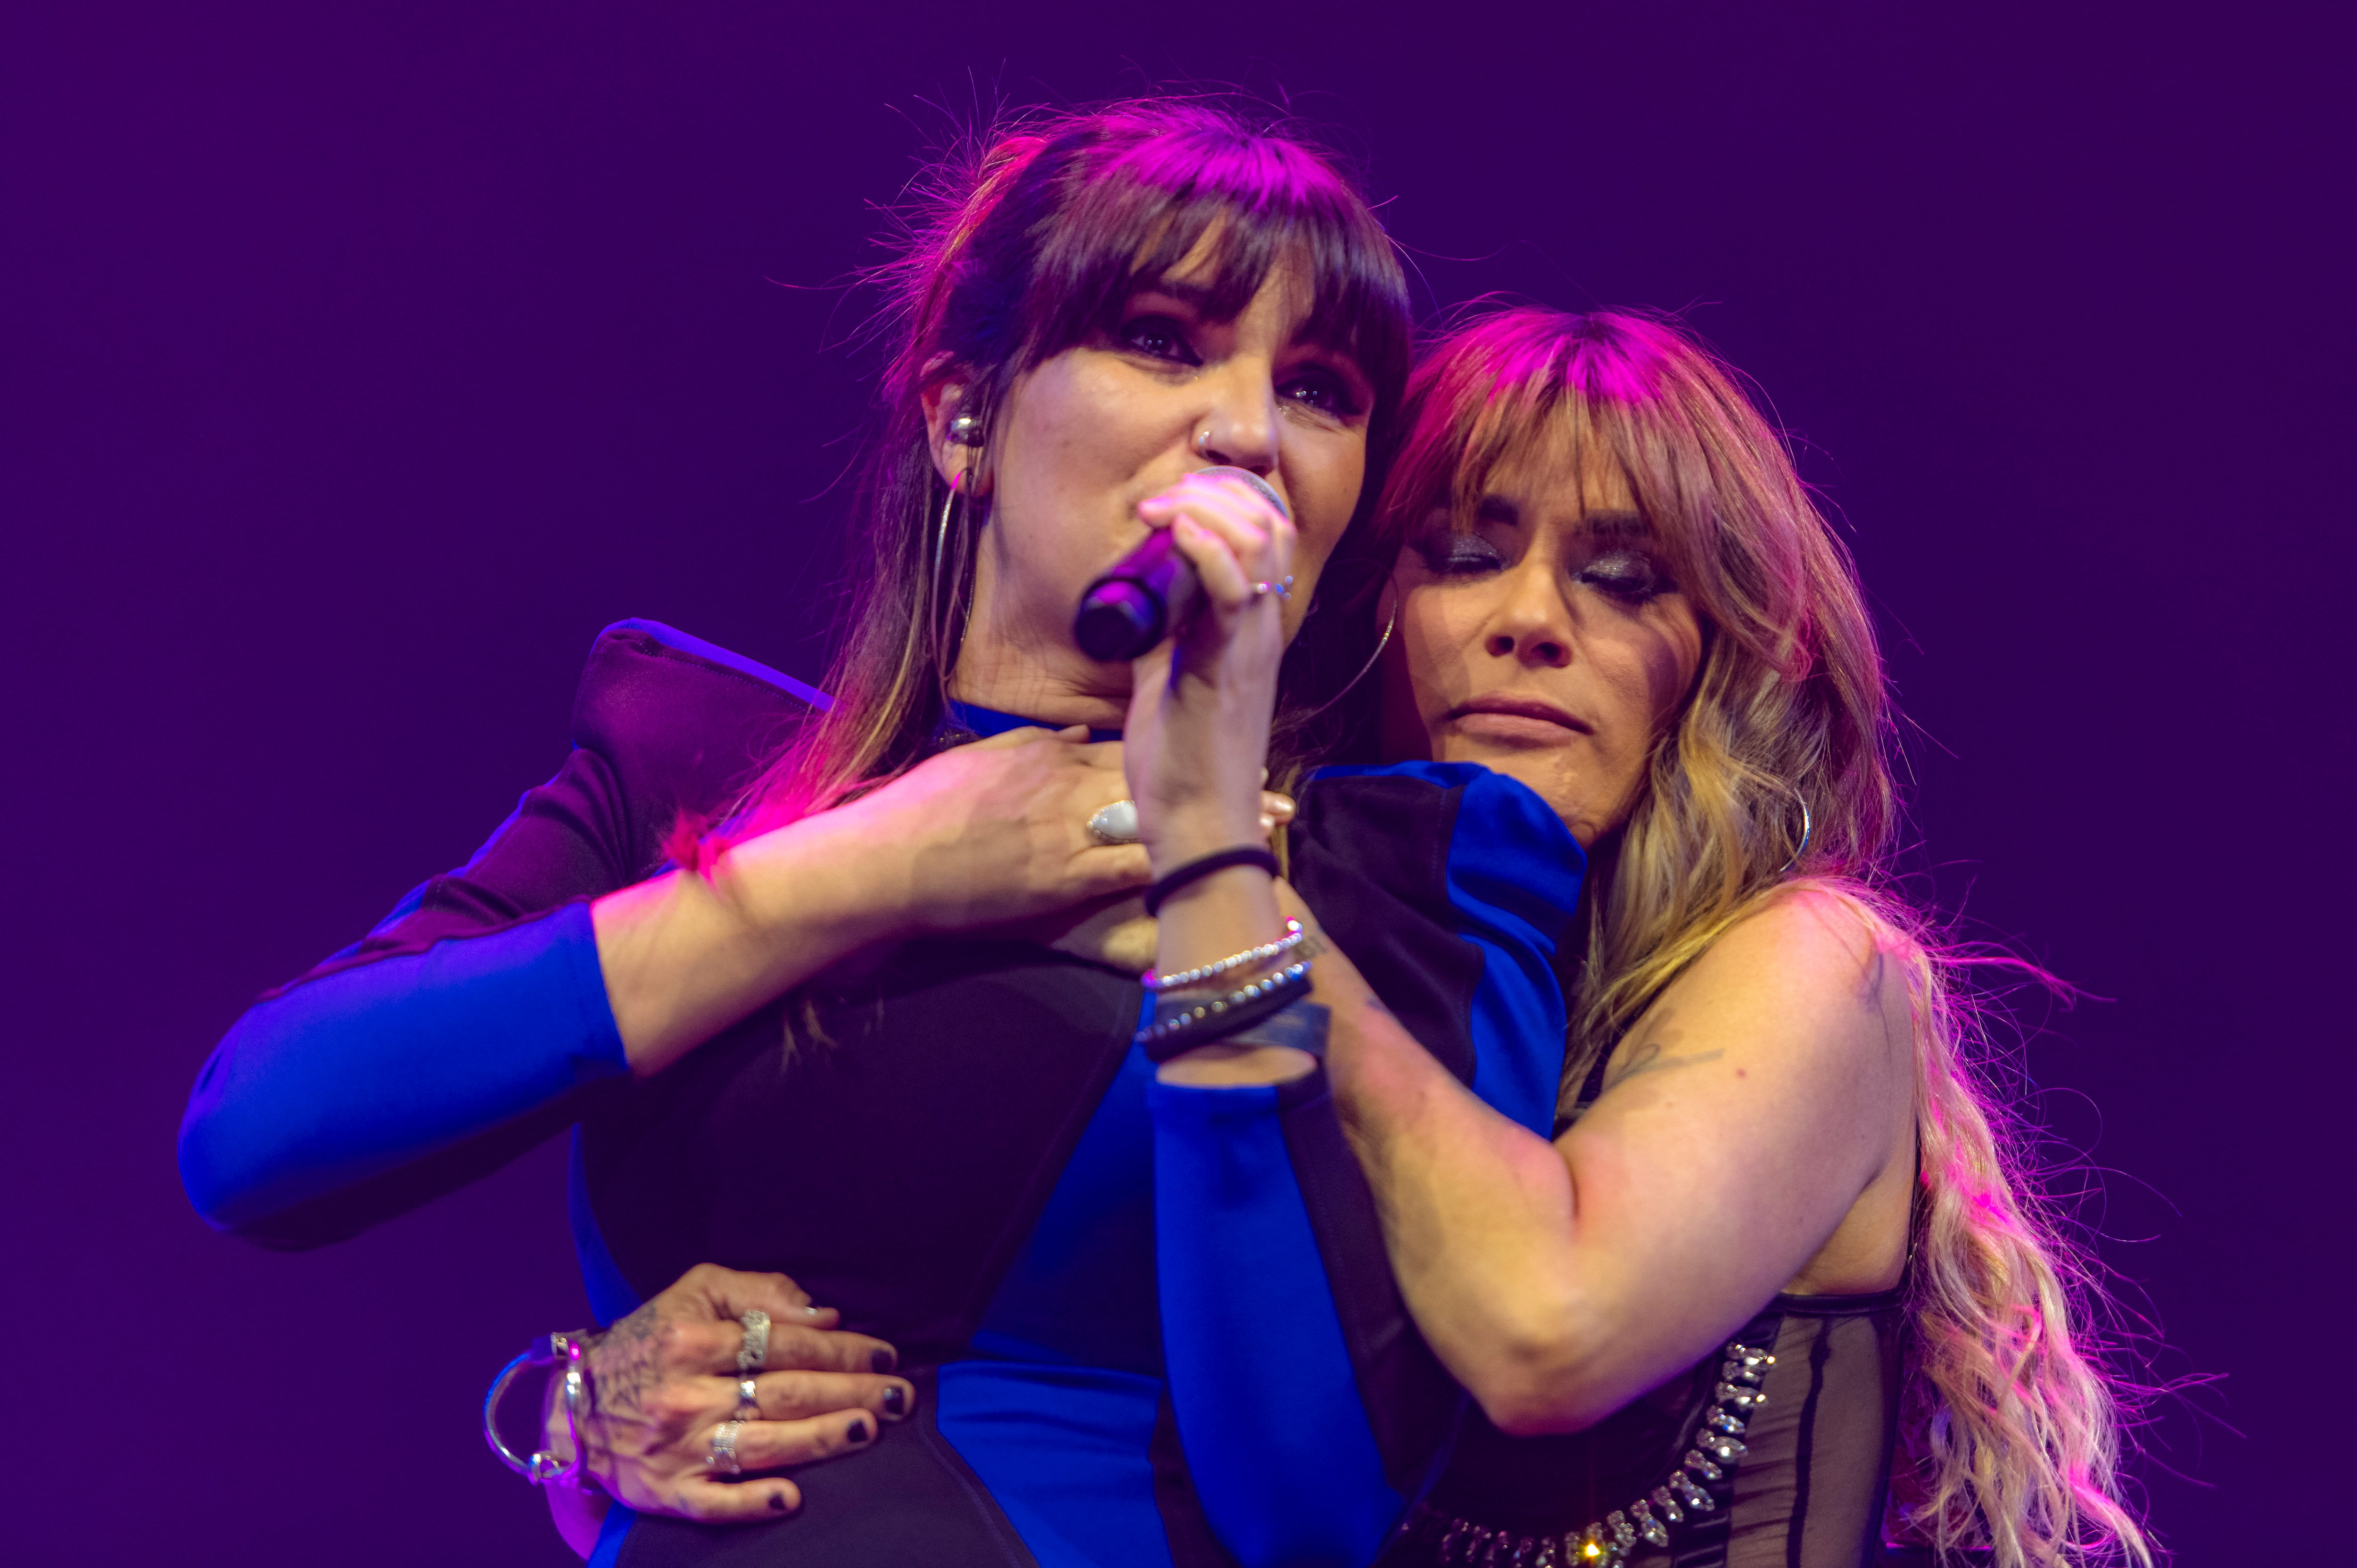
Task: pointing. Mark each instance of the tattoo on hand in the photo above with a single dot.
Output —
(626, 1361)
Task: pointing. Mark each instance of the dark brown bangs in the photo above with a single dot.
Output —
(1145, 209)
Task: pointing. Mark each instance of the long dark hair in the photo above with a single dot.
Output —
(1020, 250)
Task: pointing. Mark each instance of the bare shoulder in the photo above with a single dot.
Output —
(1807, 945)
(1809, 973)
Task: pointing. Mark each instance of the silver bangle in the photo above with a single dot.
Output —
(567, 1353)
(1260, 954)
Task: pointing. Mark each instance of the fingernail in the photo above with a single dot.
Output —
(882, 1360)
(1268, 824)
(896, 1400)
(778, 1503)
(856, 1431)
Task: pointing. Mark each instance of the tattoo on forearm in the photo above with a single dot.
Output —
(1651, 1057)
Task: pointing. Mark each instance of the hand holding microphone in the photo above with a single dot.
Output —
(1146, 595)
(1197, 601)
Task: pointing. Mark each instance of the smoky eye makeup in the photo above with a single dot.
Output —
(1322, 388)
(1156, 334)
(1446, 552)
(1628, 574)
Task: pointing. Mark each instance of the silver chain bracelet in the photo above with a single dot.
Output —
(1260, 954)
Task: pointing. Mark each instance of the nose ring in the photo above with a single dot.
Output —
(1203, 441)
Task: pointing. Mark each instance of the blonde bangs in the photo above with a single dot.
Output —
(1776, 773)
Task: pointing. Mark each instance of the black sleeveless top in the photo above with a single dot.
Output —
(1773, 1452)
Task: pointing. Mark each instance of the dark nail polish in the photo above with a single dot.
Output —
(777, 1501)
(896, 1400)
(882, 1360)
(857, 1432)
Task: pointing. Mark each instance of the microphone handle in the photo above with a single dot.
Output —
(1141, 597)
(1137, 601)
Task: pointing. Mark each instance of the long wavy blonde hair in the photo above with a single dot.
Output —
(1777, 774)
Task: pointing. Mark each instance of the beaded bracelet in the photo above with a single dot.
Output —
(1260, 954)
(1185, 1026)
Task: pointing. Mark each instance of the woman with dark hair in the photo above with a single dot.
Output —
(1681, 1161)
(863, 1027)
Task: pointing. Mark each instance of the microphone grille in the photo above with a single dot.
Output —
(1268, 494)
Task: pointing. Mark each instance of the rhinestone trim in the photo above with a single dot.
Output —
(1610, 1541)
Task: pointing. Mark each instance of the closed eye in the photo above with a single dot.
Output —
(1454, 554)
(1630, 575)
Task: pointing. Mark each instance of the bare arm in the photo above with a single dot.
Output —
(1755, 1133)
(987, 833)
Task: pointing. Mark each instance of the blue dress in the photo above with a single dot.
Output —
(1148, 1324)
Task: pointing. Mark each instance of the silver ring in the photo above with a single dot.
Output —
(724, 1447)
(1116, 823)
(749, 1402)
(756, 1348)
(1283, 590)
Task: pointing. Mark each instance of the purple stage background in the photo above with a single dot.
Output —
(362, 360)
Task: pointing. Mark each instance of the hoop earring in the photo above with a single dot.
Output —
(941, 528)
(1805, 829)
(1380, 643)
(937, 595)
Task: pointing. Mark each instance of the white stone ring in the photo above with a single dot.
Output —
(1116, 823)
(1283, 590)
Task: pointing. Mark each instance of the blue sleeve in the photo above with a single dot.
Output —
(1280, 1441)
(1310, 1410)
(338, 1097)
(472, 1022)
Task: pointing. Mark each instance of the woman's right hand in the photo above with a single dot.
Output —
(664, 1378)
(1201, 707)
(998, 830)
(984, 834)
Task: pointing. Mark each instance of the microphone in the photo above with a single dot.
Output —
(1136, 602)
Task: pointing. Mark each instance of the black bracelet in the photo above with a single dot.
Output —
(1301, 1025)
(1194, 871)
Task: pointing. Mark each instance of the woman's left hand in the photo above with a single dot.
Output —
(1197, 737)
(665, 1379)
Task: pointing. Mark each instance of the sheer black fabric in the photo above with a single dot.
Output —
(1807, 1492)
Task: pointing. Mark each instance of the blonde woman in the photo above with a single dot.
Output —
(1764, 1267)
